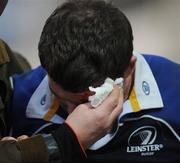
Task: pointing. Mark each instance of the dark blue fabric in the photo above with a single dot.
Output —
(24, 87)
(167, 76)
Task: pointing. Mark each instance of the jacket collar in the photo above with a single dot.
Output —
(43, 105)
(145, 93)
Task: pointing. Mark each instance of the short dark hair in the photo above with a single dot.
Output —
(85, 41)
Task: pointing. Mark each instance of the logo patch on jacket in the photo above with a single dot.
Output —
(146, 88)
(142, 141)
(43, 100)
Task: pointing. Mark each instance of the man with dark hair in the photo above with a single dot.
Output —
(43, 148)
(83, 43)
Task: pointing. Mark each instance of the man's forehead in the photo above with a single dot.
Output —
(57, 90)
(2, 5)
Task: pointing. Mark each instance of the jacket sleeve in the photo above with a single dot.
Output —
(60, 146)
(33, 150)
(26, 151)
(10, 152)
(68, 145)
(30, 150)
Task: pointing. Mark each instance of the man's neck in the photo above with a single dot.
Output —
(129, 83)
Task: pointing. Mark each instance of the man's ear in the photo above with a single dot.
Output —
(131, 67)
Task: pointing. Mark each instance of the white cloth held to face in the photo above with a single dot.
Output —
(103, 91)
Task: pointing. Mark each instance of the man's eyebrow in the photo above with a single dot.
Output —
(53, 92)
(76, 103)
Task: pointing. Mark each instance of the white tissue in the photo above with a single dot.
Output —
(103, 91)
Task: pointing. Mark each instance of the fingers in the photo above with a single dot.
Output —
(22, 137)
(87, 105)
(8, 138)
(119, 108)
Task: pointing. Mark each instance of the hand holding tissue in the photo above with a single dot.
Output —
(103, 91)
